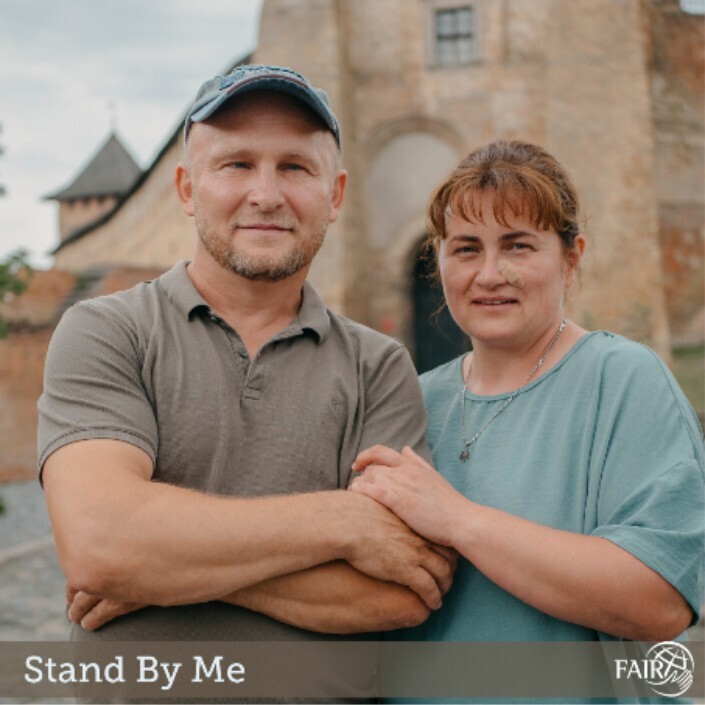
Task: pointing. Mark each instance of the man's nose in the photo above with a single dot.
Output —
(265, 190)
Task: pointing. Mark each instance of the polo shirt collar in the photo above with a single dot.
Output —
(313, 314)
(180, 290)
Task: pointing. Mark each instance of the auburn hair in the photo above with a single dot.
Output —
(524, 180)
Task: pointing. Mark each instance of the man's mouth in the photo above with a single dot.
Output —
(264, 227)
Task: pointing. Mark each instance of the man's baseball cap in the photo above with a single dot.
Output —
(214, 93)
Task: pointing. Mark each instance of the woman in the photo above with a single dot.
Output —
(571, 465)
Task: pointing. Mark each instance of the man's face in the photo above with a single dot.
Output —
(262, 181)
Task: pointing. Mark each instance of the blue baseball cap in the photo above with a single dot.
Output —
(214, 93)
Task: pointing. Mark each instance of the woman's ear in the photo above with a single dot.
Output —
(574, 257)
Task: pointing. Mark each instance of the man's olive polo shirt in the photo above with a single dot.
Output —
(156, 367)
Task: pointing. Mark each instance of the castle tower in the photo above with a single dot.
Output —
(107, 177)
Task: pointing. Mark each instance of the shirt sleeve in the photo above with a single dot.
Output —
(93, 386)
(652, 492)
(394, 414)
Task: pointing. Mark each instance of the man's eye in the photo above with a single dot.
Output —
(519, 246)
(239, 165)
(293, 167)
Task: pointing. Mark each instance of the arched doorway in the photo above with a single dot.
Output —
(437, 338)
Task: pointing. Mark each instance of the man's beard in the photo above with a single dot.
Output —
(272, 268)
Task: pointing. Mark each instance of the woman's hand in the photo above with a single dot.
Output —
(407, 485)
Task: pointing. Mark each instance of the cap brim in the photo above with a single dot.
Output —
(306, 95)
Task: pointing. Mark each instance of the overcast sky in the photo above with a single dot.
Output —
(63, 62)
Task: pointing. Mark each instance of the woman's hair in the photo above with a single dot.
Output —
(525, 181)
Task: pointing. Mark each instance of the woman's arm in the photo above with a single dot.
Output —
(586, 580)
(582, 579)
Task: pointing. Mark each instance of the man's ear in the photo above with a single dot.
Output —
(339, 184)
(184, 187)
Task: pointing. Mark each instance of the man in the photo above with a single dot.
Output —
(196, 431)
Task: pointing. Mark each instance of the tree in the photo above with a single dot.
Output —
(15, 273)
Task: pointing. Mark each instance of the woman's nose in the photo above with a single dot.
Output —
(489, 275)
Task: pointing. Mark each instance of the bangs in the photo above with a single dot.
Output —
(515, 194)
(523, 180)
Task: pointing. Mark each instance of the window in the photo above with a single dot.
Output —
(693, 7)
(455, 40)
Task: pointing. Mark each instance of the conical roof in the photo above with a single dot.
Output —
(110, 172)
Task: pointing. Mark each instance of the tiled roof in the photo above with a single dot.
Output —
(111, 172)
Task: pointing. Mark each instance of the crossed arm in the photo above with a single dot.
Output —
(331, 561)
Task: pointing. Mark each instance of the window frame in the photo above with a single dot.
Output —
(433, 8)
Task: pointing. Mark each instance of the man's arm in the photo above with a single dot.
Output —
(121, 536)
(333, 598)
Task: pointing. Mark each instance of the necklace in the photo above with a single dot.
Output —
(465, 454)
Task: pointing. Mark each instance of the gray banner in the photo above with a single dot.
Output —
(167, 671)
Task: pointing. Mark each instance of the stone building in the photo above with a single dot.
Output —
(613, 88)
(417, 83)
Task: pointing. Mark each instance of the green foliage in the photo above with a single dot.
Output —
(15, 273)
(689, 369)
(2, 505)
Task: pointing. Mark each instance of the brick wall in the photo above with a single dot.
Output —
(22, 356)
(21, 367)
(37, 305)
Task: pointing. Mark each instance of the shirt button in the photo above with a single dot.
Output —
(243, 352)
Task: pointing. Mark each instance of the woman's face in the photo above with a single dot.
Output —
(504, 285)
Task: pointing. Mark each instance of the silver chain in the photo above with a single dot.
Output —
(465, 454)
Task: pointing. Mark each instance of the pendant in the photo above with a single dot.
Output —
(465, 454)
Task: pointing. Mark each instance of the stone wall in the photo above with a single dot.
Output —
(77, 213)
(678, 88)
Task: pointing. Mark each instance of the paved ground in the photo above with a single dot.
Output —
(31, 582)
(25, 516)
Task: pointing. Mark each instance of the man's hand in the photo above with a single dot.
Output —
(92, 612)
(383, 547)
